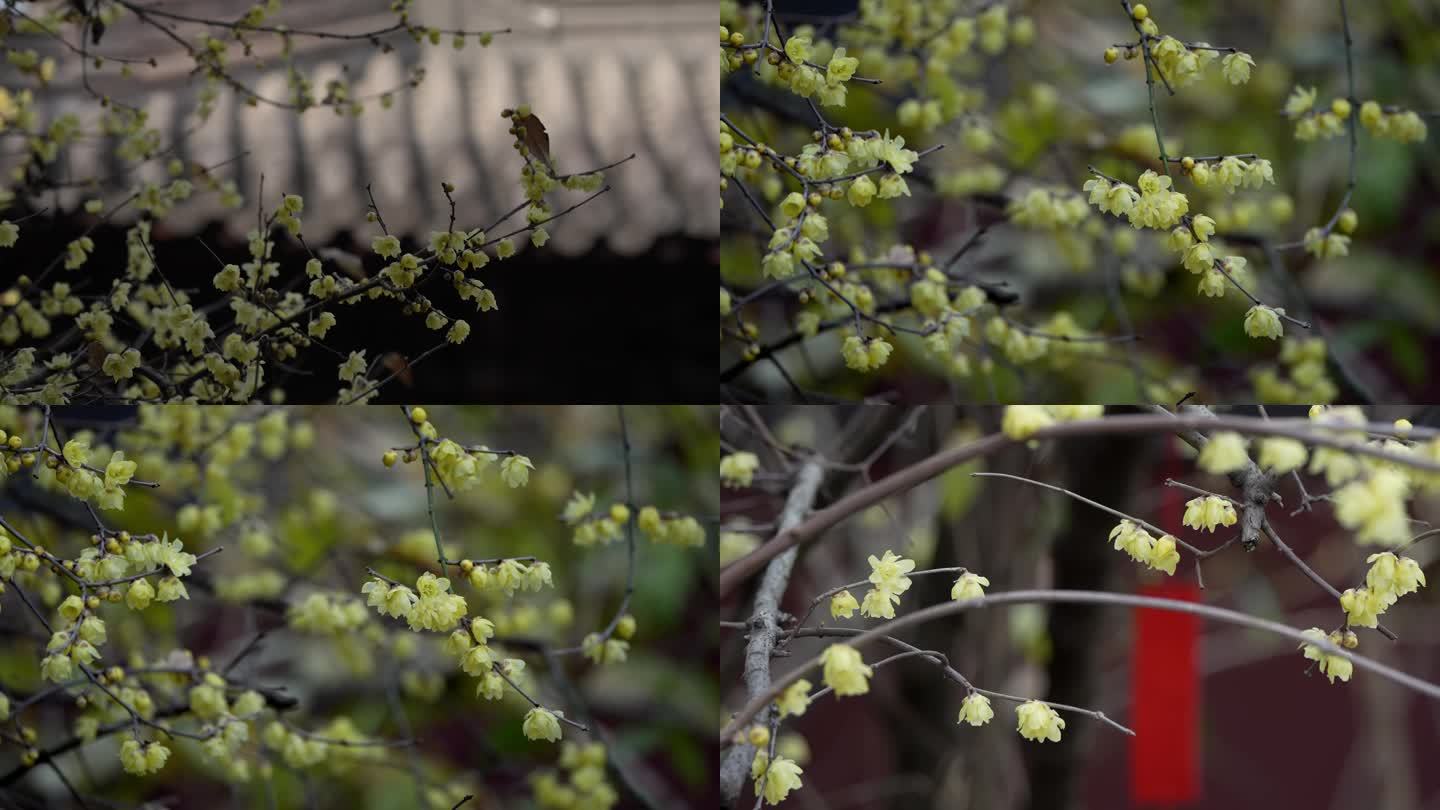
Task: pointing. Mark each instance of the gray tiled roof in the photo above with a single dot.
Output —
(608, 79)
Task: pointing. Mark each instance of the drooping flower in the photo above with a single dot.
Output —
(1207, 512)
(1224, 453)
(975, 710)
(795, 699)
(969, 586)
(845, 671)
(1039, 722)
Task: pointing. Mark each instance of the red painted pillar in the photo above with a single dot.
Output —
(1165, 752)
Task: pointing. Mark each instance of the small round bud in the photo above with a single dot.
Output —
(625, 628)
(1348, 221)
(758, 736)
(115, 674)
(1341, 108)
(1187, 163)
(1111, 55)
(1351, 641)
(390, 458)
(467, 566)
(1139, 12)
(620, 513)
(92, 602)
(418, 415)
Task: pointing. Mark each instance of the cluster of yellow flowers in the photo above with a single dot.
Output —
(228, 361)
(1331, 666)
(71, 471)
(737, 470)
(1370, 494)
(774, 780)
(1207, 512)
(1159, 553)
(1155, 205)
(1405, 126)
(865, 355)
(1179, 63)
(888, 576)
(586, 787)
(1020, 422)
(143, 758)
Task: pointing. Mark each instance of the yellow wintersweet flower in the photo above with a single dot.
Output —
(975, 710)
(1374, 507)
(393, 600)
(1264, 322)
(1208, 512)
(779, 778)
(1133, 540)
(1331, 666)
(1280, 455)
(140, 759)
(1392, 577)
(841, 67)
(1224, 453)
(1020, 422)
(121, 366)
(119, 470)
(865, 356)
(969, 586)
(76, 452)
(541, 724)
(888, 572)
(386, 247)
(845, 670)
(1163, 555)
(515, 470)
(738, 469)
(1362, 606)
(435, 609)
(1236, 67)
(797, 48)
(1039, 722)
(794, 700)
(879, 603)
(843, 605)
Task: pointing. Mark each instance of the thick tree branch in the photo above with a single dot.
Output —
(765, 624)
